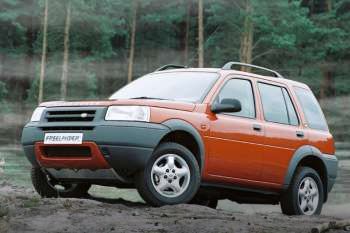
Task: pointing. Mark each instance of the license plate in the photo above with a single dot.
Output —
(63, 138)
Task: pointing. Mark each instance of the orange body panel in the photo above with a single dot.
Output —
(280, 144)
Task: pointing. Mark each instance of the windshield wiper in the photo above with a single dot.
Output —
(148, 98)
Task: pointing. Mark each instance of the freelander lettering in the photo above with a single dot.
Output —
(62, 138)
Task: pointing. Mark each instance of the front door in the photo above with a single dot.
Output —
(235, 141)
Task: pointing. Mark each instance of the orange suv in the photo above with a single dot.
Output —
(186, 135)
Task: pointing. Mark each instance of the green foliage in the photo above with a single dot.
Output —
(3, 91)
(286, 38)
(91, 86)
(32, 92)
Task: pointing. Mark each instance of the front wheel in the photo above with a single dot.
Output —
(171, 176)
(46, 186)
(305, 195)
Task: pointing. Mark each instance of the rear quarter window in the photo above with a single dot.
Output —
(312, 110)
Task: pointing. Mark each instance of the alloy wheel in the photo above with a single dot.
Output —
(308, 196)
(170, 175)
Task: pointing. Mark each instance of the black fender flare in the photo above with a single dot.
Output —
(300, 154)
(181, 125)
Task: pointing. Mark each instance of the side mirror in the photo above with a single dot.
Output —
(227, 105)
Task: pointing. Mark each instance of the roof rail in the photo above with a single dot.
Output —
(228, 66)
(170, 66)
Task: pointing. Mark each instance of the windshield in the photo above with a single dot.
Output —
(177, 86)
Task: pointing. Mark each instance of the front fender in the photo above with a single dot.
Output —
(180, 125)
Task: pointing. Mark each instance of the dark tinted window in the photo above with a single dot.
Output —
(311, 109)
(293, 118)
(274, 106)
(241, 90)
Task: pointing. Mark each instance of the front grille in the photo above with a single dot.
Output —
(68, 128)
(66, 151)
(70, 115)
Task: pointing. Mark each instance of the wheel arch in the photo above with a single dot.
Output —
(185, 134)
(308, 156)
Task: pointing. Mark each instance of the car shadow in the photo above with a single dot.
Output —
(116, 201)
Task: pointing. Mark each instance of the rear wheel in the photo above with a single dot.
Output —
(305, 194)
(46, 186)
(171, 176)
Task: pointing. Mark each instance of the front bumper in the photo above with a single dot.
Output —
(123, 146)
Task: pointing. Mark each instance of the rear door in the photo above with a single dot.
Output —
(283, 132)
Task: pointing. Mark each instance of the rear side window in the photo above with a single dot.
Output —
(311, 109)
(241, 90)
(274, 105)
(292, 115)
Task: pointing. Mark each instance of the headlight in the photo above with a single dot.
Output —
(37, 114)
(128, 113)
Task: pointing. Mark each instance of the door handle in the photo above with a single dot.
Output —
(257, 127)
(300, 134)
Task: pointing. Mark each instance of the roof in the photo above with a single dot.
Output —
(224, 73)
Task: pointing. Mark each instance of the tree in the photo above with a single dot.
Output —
(44, 52)
(327, 84)
(200, 34)
(187, 31)
(64, 78)
(303, 43)
(132, 41)
(333, 39)
(247, 37)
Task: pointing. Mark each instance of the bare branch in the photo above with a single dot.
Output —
(263, 54)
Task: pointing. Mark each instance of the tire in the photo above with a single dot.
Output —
(305, 195)
(46, 186)
(211, 203)
(163, 182)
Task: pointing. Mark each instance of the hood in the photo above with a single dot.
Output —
(105, 103)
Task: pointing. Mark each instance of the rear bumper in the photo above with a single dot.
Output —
(123, 146)
(331, 163)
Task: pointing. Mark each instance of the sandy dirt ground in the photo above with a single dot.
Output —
(21, 210)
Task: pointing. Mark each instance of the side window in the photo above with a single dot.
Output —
(241, 90)
(311, 109)
(274, 105)
(293, 118)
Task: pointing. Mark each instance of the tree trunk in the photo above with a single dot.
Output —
(311, 4)
(30, 40)
(64, 78)
(200, 34)
(43, 55)
(327, 84)
(2, 65)
(329, 5)
(187, 32)
(247, 37)
(132, 41)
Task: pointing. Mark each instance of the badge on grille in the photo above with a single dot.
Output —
(84, 115)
